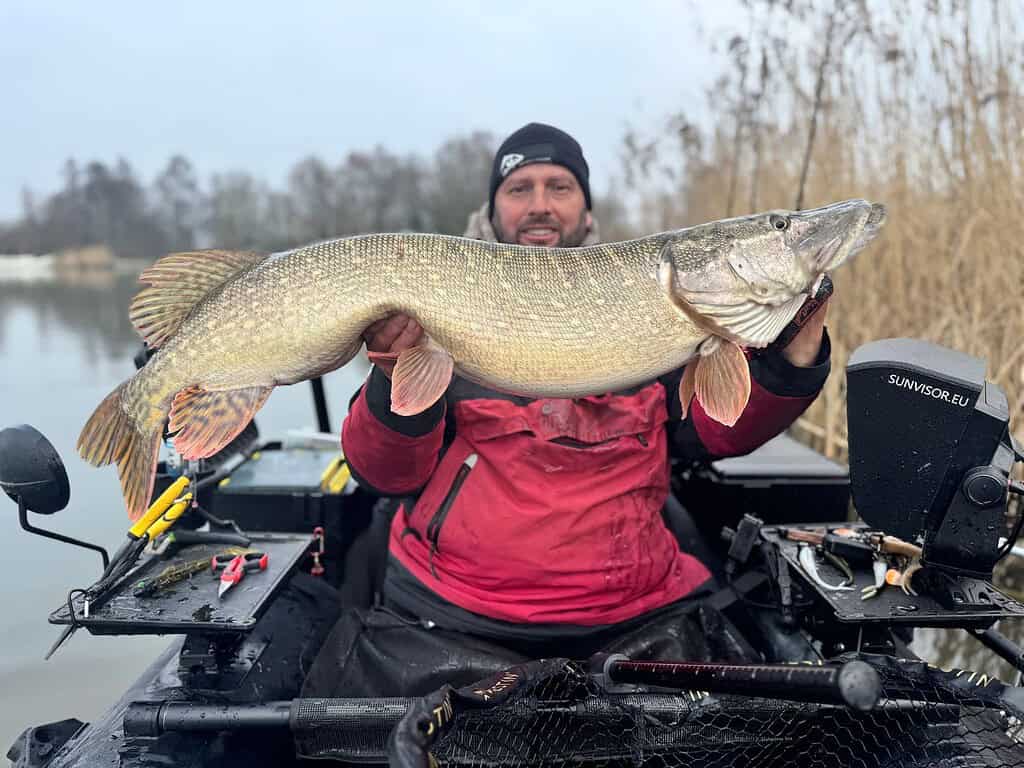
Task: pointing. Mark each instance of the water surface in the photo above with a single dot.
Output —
(64, 344)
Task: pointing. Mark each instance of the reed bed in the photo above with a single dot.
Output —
(916, 105)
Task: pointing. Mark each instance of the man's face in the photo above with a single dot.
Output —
(541, 204)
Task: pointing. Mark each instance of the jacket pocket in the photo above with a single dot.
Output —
(434, 525)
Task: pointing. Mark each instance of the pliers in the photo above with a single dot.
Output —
(232, 568)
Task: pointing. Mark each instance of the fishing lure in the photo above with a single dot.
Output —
(810, 566)
(879, 568)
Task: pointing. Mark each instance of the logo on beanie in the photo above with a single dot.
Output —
(510, 162)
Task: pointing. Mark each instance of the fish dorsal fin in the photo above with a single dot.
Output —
(176, 283)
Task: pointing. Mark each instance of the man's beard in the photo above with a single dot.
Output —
(570, 239)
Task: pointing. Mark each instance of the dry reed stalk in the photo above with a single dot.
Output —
(927, 117)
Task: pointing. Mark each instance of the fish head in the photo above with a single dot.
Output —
(820, 239)
(749, 274)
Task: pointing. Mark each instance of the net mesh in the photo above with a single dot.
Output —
(553, 713)
(562, 716)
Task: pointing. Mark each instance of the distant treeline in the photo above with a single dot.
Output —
(368, 191)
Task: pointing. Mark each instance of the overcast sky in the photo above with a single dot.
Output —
(257, 86)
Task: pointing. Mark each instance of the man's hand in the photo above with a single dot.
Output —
(803, 350)
(393, 334)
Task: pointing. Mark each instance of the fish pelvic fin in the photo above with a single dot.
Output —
(111, 436)
(176, 283)
(720, 380)
(420, 377)
(207, 421)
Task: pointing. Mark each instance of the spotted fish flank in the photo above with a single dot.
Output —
(229, 327)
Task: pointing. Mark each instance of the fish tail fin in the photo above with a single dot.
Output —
(112, 436)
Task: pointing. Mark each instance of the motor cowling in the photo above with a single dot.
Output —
(929, 449)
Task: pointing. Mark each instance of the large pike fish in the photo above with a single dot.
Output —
(229, 327)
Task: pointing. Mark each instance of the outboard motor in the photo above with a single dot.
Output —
(930, 452)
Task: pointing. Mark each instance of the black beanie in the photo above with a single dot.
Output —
(538, 143)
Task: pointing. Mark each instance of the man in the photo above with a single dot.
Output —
(527, 527)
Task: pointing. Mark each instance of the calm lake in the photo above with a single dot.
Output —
(64, 344)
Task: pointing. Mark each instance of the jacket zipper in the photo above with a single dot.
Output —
(438, 518)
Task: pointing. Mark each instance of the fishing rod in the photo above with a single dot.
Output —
(854, 684)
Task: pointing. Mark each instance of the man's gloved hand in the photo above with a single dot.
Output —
(803, 350)
(393, 334)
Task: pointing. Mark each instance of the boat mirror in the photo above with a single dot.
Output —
(31, 468)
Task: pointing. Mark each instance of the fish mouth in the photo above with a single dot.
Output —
(846, 236)
(877, 217)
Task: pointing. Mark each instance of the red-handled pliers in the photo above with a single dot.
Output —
(233, 567)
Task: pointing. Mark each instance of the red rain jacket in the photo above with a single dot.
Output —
(559, 520)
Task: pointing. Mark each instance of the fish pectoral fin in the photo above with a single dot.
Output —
(688, 385)
(757, 325)
(420, 378)
(176, 283)
(721, 381)
(207, 421)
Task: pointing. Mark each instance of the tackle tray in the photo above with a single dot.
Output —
(191, 606)
(892, 605)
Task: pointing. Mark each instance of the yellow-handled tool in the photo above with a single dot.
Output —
(162, 512)
(157, 508)
(168, 518)
(160, 516)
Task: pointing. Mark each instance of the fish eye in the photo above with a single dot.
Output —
(780, 223)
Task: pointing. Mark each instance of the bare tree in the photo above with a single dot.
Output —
(458, 181)
(178, 203)
(237, 213)
(313, 194)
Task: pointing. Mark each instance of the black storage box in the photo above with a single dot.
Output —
(279, 490)
(783, 481)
